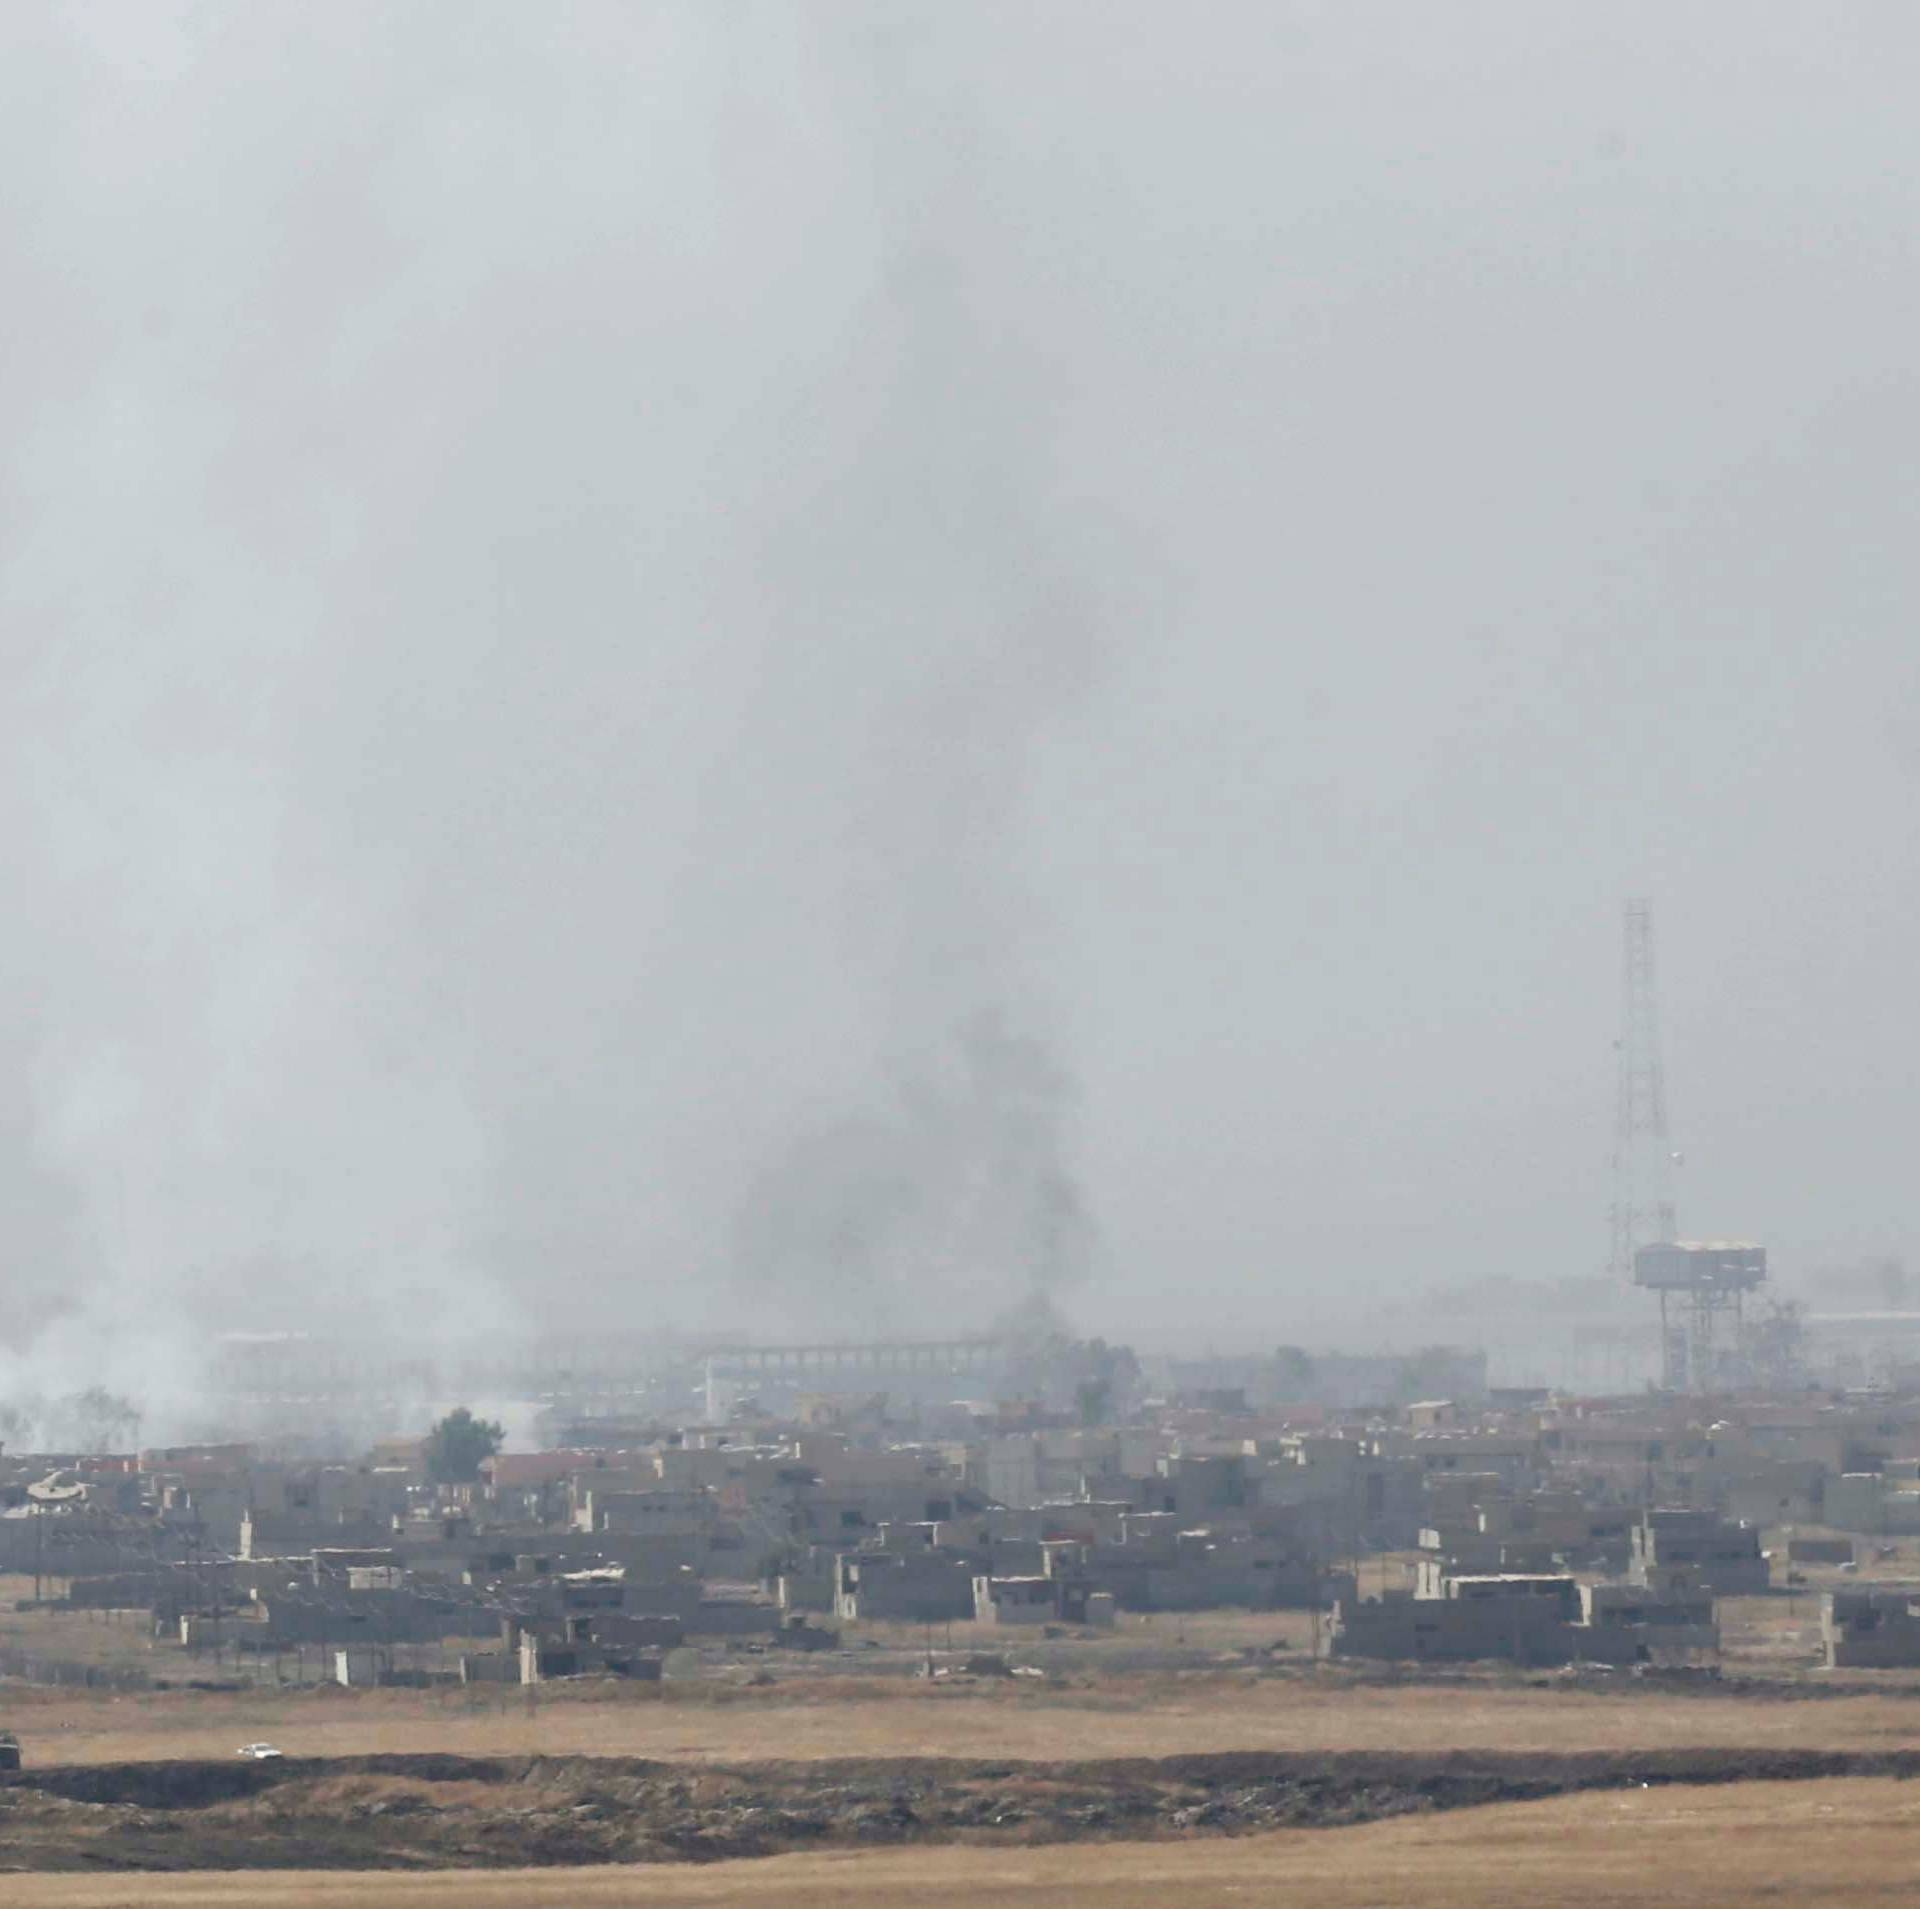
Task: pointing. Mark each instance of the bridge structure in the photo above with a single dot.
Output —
(861, 1358)
(292, 1379)
(851, 1362)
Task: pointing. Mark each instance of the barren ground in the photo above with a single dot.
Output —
(1849, 1842)
(830, 1717)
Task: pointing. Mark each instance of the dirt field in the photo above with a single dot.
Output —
(1014, 1722)
(1153, 1717)
(1851, 1842)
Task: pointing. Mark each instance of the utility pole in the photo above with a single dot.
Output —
(1643, 1212)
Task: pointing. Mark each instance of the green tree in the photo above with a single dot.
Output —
(458, 1443)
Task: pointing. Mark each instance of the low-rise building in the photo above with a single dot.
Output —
(1041, 1600)
(1677, 1550)
(1871, 1627)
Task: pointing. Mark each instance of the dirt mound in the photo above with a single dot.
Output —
(377, 1812)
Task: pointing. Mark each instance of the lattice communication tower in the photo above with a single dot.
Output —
(1702, 1283)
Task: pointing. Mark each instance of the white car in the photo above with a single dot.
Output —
(260, 1752)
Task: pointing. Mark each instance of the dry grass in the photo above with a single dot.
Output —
(1849, 1842)
(1153, 1717)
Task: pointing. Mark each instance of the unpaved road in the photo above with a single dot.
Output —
(1853, 1843)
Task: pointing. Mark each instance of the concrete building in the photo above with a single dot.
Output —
(660, 1511)
(926, 1587)
(1524, 1620)
(1683, 1551)
(1871, 1627)
(1042, 1600)
(1624, 1624)
(1531, 1619)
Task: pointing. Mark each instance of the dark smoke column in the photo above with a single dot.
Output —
(932, 558)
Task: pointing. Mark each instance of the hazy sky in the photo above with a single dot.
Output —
(582, 584)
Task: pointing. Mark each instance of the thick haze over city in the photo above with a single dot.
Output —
(813, 666)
